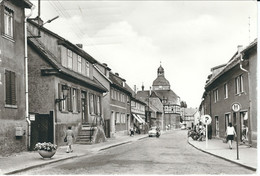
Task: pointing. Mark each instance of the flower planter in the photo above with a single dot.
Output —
(46, 154)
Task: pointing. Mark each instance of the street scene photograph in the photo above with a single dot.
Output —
(93, 87)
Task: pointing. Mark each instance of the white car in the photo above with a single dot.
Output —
(152, 132)
(183, 127)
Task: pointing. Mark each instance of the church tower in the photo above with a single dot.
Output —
(161, 83)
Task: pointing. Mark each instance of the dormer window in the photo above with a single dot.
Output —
(70, 59)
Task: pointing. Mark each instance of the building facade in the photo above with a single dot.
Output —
(62, 88)
(13, 125)
(120, 104)
(230, 96)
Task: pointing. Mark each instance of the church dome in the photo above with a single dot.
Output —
(160, 80)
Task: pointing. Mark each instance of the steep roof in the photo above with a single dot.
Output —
(169, 94)
(235, 60)
(58, 68)
(119, 83)
(190, 111)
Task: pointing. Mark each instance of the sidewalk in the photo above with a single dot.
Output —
(31, 159)
(216, 147)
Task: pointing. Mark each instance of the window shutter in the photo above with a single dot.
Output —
(95, 103)
(13, 89)
(7, 87)
(69, 99)
(59, 95)
(78, 103)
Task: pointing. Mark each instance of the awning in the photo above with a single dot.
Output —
(137, 118)
(140, 116)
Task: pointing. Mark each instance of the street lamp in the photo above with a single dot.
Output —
(64, 89)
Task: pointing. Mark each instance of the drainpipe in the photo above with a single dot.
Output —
(26, 77)
(250, 103)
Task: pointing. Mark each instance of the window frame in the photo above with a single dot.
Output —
(79, 64)
(11, 89)
(225, 91)
(87, 68)
(9, 13)
(215, 93)
(239, 84)
(70, 59)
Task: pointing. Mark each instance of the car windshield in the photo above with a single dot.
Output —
(153, 128)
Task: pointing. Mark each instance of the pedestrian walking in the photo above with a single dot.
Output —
(69, 137)
(230, 134)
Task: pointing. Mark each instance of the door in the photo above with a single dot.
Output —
(84, 106)
(42, 129)
(217, 126)
(244, 126)
(107, 128)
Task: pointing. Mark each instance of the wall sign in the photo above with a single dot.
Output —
(236, 107)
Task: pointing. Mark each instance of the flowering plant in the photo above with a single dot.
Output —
(47, 146)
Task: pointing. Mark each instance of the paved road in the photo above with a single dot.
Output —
(169, 154)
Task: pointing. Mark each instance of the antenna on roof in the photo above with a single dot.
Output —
(249, 29)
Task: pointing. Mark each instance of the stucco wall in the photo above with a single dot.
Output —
(12, 59)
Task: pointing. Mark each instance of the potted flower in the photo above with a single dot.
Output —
(46, 149)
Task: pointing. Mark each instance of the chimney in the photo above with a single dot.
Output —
(150, 91)
(116, 74)
(79, 45)
(135, 88)
(239, 48)
(143, 87)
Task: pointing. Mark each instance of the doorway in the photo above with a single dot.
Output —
(84, 107)
(217, 126)
(42, 129)
(244, 126)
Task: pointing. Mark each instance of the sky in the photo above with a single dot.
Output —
(187, 38)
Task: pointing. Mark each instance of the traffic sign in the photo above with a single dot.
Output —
(206, 119)
(236, 107)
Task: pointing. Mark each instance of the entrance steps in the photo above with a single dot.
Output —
(85, 135)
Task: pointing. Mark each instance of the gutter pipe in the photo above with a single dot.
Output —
(250, 102)
(26, 77)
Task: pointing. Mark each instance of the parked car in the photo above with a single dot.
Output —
(183, 127)
(152, 132)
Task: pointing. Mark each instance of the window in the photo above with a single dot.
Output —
(225, 91)
(117, 117)
(10, 88)
(91, 103)
(8, 22)
(79, 64)
(239, 84)
(227, 120)
(122, 118)
(215, 92)
(74, 100)
(0, 78)
(98, 106)
(87, 68)
(70, 60)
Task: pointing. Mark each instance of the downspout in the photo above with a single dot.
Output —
(26, 77)
(250, 103)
